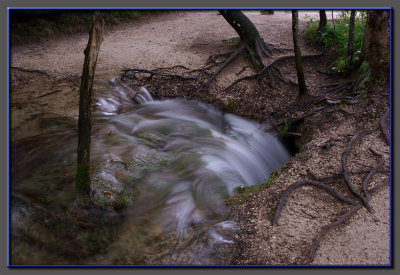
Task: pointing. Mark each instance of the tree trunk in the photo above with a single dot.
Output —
(82, 182)
(297, 52)
(350, 51)
(322, 22)
(249, 35)
(378, 43)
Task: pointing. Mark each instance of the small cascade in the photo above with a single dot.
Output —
(167, 167)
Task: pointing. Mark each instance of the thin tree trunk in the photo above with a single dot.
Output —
(350, 51)
(82, 183)
(322, 22)
(297, 52)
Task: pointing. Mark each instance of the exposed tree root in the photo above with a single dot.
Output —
(364, 198)
(300, 183)
(227, 61)
(338, 176)
(345, 172)
(339, 87)
(213, 58)
(384, 93)
(379, 186)
(151, 72)
(371, 173)
(324, 230)
(340, 220)
(30, 71)
(382, 123)
(270, 66)
(256, 52)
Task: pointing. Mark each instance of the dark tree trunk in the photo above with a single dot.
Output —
(82, 183)
(322, 22)
(249, 35)
(378, 43)
(297, 52)
(350, 51)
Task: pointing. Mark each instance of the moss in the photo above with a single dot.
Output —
(123, 202)
(82, 180)
(233, 42)
(246, 191)
(284, 129)
(228, 107)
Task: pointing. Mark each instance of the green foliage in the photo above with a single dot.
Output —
(44, 24)
(336, 36)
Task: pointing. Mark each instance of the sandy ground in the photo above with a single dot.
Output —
(163, 40)
(188, 38)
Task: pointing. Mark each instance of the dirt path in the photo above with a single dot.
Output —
(188, 38)
(163, 40)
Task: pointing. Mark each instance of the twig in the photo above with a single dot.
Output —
(53, 92)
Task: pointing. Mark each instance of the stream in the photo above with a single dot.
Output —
(162, 169)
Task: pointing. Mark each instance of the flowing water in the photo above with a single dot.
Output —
(166, 167)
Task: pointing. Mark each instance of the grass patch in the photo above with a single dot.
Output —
(246, 191)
